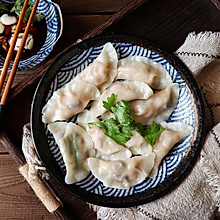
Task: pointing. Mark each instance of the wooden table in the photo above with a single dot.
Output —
(164, 22)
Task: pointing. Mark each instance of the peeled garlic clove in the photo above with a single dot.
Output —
(29, 42)
(13, 28)
(8, 20)
(18, 42)
(2, 28)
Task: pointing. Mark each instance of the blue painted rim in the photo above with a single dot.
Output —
(54, 23)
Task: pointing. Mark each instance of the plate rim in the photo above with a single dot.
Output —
(171, 181)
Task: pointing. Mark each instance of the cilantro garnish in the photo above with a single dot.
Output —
(119, 128)
(18, 8)
(110, 102)
(112, 129)
(150, 133)
(122, 113)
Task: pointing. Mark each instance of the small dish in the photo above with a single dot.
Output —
(54, 25)
(175, 165)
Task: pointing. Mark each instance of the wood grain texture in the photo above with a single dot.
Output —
(3, 150)
(217, 3)
(91, 6)
(75, 26)
(16, 197)
(16, 153)
(167, 23)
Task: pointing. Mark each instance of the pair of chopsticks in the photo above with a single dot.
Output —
(17, 58)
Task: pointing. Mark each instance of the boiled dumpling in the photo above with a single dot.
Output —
(84, 118)
(103, 143)
(122, 173)
(145, 70)
(107, 149)
(157, 108)
(68, 101)
(102, 71)
(138, 145)
(121, 155)
(125, 90)
(75, 146)
(174, 132)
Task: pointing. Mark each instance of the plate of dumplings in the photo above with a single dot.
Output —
(118, 121)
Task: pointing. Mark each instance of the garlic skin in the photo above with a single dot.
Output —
(8, 20)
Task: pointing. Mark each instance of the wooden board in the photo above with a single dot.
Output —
(16, 196)
(167, 23)
(164, 22)
(91, 6)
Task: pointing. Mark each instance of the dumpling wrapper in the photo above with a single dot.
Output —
(174, 133)
(68, 101)
(125, 90)
(138, 145)
(103, 143)
(122, 174)
(75, 146)
(110, 150)
(145, 70)
(103, 70)
(157, 108)
(84, 118)
(121, 155)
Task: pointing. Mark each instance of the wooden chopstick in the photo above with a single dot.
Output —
(11, 50)
(12, 46)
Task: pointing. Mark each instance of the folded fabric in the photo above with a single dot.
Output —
(198, 196)
(201, 53)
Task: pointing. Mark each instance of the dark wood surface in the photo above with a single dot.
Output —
(161, 21)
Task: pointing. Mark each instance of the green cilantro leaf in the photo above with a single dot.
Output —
(122, 113)
(119, 128)
(38, 16)
(18, 8)
(140, 129)
(110, 101)
(151, 133)
(112, 130)
(127, 128)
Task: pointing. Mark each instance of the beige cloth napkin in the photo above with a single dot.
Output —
(35, 173)
(199, 194)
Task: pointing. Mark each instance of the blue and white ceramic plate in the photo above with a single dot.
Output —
(54, 22)
(174, 166)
